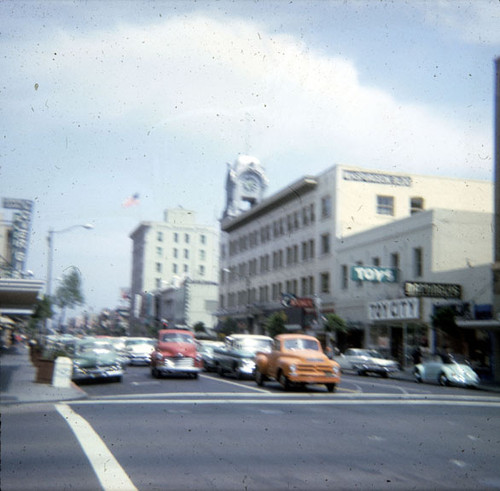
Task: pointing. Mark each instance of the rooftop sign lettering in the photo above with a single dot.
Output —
(376, 178)
(374, 274)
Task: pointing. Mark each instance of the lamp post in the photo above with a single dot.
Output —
(50, 242)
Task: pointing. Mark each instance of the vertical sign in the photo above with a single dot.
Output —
(21, 227)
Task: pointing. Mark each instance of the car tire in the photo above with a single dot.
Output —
(418, 376)
(194, 375)
(220, 371)
(154, 372)
(331, 387)
(283, 380)
(443, 380)
(259, 378)
(362, 373)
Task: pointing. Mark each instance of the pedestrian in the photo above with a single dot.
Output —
(417, 355)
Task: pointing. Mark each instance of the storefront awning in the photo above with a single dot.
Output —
(488, 324)
(19, 296)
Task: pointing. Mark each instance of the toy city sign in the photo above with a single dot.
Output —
(374, 274)
(398, 309)
(432, 290)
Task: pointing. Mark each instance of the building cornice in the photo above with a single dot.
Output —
(293, 191)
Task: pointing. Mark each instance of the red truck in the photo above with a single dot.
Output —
(175, 353)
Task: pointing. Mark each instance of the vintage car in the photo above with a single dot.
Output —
(365, 361)
(96, 359)
(237, 355)
(175, 353)
(206, 350)
(446, 370)
(138, 350)
(297, 359)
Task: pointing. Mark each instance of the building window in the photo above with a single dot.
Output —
(202, 270)
(174, 268)
(376, 261)
(359, 282)
(311, 249)
(385, 205)
(159, 251)
(203, 239)
(159, 236)
(186, 268)
(418, 262)
(395, 260)
(202, 255)
(186, 253)
(186, 238)
(326, 206)
(416, 205)
(175, 252)
(158, 282)
(158, 267)
(325, 244)
(325, 282)
(176, 237)
(345, 276)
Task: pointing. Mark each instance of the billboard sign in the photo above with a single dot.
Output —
(432, 290)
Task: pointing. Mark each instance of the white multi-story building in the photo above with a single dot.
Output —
(301, 241)
(167, 254)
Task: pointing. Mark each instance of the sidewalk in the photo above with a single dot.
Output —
(17, 381)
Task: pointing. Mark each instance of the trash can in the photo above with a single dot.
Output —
(63, 369)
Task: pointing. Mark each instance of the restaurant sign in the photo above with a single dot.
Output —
(432, 290)
(396, 309)
(374, 274)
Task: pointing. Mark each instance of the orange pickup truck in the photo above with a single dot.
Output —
(297, 359)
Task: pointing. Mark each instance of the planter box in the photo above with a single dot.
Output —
(44, 371)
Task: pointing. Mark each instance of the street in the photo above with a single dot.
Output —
(222, 433)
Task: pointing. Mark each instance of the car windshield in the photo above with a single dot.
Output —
(375, 354)
(177, 337)
(95, 347)
(254, 345)
(299, 344)
(139, 341)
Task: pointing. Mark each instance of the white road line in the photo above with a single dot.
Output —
(109, 472)
(311, 402)
(257, 389)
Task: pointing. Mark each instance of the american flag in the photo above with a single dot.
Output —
(131, 201)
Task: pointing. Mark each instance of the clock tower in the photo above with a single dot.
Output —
(245, 185)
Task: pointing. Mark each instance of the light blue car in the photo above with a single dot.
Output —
(446, 370)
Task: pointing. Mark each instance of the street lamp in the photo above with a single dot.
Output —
(50, 242)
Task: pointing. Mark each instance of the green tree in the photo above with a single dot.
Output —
(69, 292)
(228, 326)
(43, 311)
(275, 324)
(335, 324)
(199, 327)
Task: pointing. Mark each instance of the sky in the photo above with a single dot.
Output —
(103, 100)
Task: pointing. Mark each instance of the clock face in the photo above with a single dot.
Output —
(250, 183)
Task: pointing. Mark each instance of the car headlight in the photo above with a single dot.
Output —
(336, 370)
(293, 369)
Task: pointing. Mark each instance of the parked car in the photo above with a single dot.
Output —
(175, 353)
(366, 361)
(297, 359)
(237, 355)
(206, 350)
(446, 370)
(96, 359)
(138, 350)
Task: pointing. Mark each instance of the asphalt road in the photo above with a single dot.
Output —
(225, 434)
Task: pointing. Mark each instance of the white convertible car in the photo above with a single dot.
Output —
(366, 361)
(446, 370)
